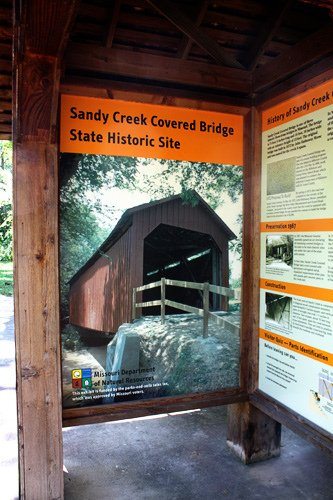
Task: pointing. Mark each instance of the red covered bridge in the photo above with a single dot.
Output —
(165, 238)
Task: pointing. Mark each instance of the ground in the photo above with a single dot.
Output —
(183, 358)
(6, 278)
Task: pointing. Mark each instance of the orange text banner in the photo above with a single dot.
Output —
(121, 128)
(312, 225)
(293, 345)
(310, 292)
(300, 105)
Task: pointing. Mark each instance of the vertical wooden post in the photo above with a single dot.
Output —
(36, 88)
(252, 435)
(162, 301)
(205, 300)
(134, 304)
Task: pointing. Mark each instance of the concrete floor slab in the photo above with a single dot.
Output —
(184, 457)
(8, 420)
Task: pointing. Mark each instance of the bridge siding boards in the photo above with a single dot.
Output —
(101, 296)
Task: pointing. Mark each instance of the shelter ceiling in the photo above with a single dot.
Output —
(220, 49)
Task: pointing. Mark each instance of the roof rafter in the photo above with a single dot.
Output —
(113, 23)
(186, 43)
(276, 13)
(307, 51)
(184, 24)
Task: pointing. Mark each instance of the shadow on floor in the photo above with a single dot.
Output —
(184, 456)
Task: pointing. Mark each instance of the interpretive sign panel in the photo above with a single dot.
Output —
(296, 301)
(151, 216)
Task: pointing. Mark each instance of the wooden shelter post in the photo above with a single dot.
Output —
(252, 435)
(36, 85)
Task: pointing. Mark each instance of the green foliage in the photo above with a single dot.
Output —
(235, 246)
(70, 338)
(6, 155)
(6, 278)
(6, 232)
(6, 213)
(80, 227)
(209, 180)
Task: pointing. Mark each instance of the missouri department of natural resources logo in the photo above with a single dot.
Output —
(81, 378)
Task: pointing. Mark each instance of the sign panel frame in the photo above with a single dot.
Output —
(131, 409)
(266, 403)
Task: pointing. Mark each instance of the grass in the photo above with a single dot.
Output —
(6, 278)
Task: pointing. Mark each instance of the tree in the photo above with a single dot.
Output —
(208, 179)
(83, 177)
(81, 233)
(6, 212)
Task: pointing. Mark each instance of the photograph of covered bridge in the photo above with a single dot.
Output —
(153, 303)
(184, 245)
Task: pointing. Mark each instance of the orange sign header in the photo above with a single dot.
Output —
(312, 225)
(311, 292)
(307, 102)
(293, 345)
(121, 128)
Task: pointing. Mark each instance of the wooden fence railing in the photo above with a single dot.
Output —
(206, 288)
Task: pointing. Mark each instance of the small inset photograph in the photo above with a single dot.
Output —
(281, 176)
(279, 252)
(278, 311)
(325, 388)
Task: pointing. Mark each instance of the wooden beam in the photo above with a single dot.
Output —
(298, 424)
(186, 43)
(6, 14)
(5, 137)
(6, 33)
(184, 24)
(102, 87)
(5, 117)
(318, 72)
(252, 435)
(113, 23)
(5, 81)
(38, 358)
(48, 25)
(5, 105)
(6, 50)
(307, 51)
(120, 411)
(277, 12)
(5, 128)
(5, 66)
(121, 63)
(324, 4)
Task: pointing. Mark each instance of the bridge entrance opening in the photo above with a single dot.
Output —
(180, 254)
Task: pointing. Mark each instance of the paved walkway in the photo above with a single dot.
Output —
(8, 433)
